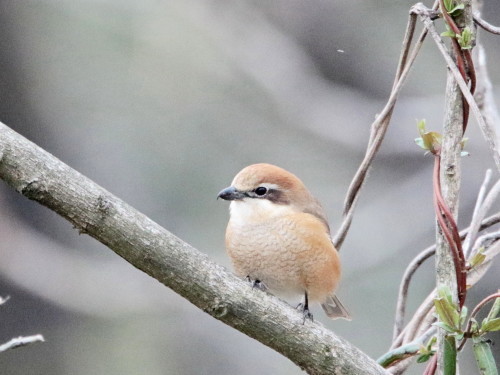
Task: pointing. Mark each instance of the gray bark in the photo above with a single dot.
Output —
(450, 178)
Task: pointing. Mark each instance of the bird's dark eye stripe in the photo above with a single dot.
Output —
(261, 190)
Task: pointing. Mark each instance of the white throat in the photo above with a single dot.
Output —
(247, 211)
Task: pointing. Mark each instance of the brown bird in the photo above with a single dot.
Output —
(278, 237)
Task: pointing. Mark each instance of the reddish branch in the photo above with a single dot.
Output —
(432, 365)
(464, 61)
(449, 229)
(479, 306)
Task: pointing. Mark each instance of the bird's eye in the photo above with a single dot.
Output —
(260, 191)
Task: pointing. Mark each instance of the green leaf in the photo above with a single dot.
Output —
(428, 140)
(433, 139)
(444, 326)
(478, 258)
(420, 142)
(430, 343)
(484, 358)
(474, 328)
(491, 325)
(448, 33)
(495, 309)
(447, 310)
(448, 4)
(450, 356)
(424, 358)
(421, 126)
(399, 353)
(463, 314)
(465, 38)
(457, 9)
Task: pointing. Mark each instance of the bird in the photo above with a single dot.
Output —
(278, 238)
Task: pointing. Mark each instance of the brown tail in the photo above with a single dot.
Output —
(334, 308)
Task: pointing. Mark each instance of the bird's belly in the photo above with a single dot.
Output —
(270, 257)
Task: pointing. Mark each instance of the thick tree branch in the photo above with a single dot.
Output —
(40, 176)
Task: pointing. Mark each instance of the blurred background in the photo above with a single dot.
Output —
(162, 103)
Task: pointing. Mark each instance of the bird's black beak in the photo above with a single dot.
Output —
(231, 193)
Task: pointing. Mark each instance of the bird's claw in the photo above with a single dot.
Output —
(256, 284)
(305, 312)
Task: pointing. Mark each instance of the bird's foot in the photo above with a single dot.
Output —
(256, 284)
(305, 312)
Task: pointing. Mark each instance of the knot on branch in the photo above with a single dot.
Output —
(34, 189)
(218, 309)
(420, 9)
(103, 205)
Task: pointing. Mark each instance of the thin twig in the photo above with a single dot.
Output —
(485, 97)
(422, 318)
(490, 221)
(486, 205)
(475, 218)
(378, 128)
(489, 250)
(403, 288)
(488, 246)
(460, 56)
(400, 367)
(416, 319)
(485, 25)
(488, 237)
(481, 304)
(341, 234)
(21, 341)
(4, 299)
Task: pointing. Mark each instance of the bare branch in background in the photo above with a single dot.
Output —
(380, 125)
(475, 218)
(378, 129)
(485, 25)
(485, 98)
(405, 284)
(4, 299)
(21, 341)
(486, 205)
(18, 341)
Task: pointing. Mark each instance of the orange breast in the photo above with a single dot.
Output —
(291, 254)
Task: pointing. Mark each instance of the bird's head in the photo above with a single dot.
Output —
(262, 190)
